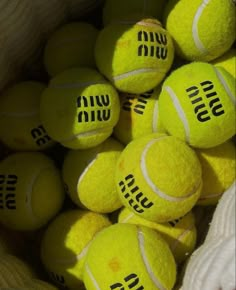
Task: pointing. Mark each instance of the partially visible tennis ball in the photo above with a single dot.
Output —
(158, 177)
(126, 256)
(203, 30)
(114, 10)
(197, 104)
(65, 244)
(71, 45)
(134, 55)
(139, 116)
(180, 234)
(218, 171)
(89, 175)
(227, 61)
(79, 108)
(14, 271)
(31, 190)
(20, 125)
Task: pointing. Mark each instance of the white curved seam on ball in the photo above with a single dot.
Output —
(155, 118)
(154, 279)
(180, 237)
(20, 115)
(85, 134)
(135, 72)
(95, 283)
(225, 85)
(126, 219)
(141, 23)
(195, 32)
(76, 85)
(84, 173)
(29, 193)
(180, 112)
(210, 196)
(153, 186)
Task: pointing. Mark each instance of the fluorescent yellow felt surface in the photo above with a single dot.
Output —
(158, 177)
(20, 124)
(134, 55)
(180, 234)
(139, 116)
(227, 61)
(206, 30)
(72, 45)
(79, 108)
(65, 244)
(14, 272)
(197, 104)
(125, 255)
(116, 10)
(32, 190)
(218, 171)
(90, 176)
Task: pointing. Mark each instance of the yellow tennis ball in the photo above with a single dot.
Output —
(79, 108)
(65, 244)
(14, 272)
(227, 61)
(89, 175)
(126, 256)
(139, 116)
(134, 55)
(203, 30)
(71, 45)
(218, 171)
(158, 177)
(116, 10)
(197, 104)
(180, 234)
(31, 191)
(20, 124)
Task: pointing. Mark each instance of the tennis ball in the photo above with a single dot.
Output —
(116, 10)
(89, 176)
(126, 256)
(79, 108)
(134, 55)
(139, 116)
(158, 177)
(31, 190)
(65, 244)
(20, 125)
(14, 271)
(218, 171)
(72, 45)
(180, 234)
(206, 30)
(197, 104)
(227, 61)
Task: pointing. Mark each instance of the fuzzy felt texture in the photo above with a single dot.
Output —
(203, 30)
(159, 177)
(125, 254)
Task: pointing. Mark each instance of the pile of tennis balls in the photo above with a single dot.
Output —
(107, 170)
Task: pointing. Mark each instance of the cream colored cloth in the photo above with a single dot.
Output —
(212, 266)
(24, 27)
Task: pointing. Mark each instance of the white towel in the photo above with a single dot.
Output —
(212, 266)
